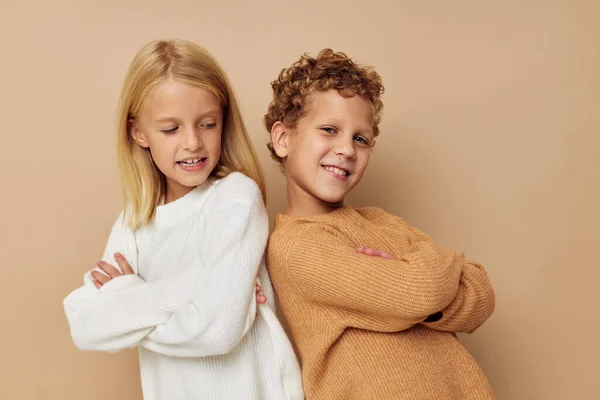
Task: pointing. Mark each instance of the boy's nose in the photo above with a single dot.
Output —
(345, 148)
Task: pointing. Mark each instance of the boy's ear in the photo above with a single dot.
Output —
(137, 134)
(280, 138)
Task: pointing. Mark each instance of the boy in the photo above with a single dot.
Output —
(372, 303)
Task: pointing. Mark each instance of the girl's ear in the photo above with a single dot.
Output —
(280, 138)
(137, 134)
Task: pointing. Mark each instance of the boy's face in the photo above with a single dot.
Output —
(327, 153)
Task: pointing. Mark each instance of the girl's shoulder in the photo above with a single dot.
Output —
(236, 187)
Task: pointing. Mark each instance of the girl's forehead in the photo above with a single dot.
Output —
(174, 97)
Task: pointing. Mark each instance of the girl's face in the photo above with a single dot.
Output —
(181, 125)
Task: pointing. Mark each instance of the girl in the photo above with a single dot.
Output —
(178, 274)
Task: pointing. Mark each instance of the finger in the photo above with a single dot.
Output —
(98, 284)
(125, 267)
(109, 269)
(371, 252)
(387, 256)
(261, 299)
(100, 277)
(258, 288)
(374, 253)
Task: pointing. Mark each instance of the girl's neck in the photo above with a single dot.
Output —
(175, 191)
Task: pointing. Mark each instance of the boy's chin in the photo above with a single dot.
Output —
(332, 199)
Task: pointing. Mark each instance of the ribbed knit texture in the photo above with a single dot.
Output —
(191, 307)
(357, 320)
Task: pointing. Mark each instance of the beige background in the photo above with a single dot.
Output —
(490, 144)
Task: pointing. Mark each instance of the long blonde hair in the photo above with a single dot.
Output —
(143, 184)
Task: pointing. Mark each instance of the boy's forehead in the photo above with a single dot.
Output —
(333, 105)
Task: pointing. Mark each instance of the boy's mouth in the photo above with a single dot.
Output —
(341, 172)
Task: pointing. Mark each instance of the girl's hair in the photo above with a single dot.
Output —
(329, 70)
(143, 184)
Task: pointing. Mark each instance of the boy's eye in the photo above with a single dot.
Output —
(171, 130)
(329, 129)
(361, 140)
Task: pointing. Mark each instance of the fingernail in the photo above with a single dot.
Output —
(117, 255)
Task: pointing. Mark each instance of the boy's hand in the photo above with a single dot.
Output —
(110, 272)
(367, 251)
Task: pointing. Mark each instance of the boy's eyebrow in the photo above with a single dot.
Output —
(172, 119)
(337, 122)
(368, 129)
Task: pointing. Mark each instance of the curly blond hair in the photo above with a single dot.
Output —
(329, 70)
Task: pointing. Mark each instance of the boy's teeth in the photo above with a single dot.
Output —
(336, 170)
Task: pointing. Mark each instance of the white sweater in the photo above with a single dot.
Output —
(191, 306)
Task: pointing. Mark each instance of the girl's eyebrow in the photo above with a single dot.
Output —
(173, 119)
(166, 119)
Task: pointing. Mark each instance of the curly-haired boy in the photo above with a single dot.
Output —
(372, 303)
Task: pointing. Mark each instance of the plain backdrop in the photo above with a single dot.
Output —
(490, 144)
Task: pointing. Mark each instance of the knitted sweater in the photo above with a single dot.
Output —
(191, 305)
(359, 321)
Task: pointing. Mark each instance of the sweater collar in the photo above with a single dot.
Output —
(183, 206)
(345, 211)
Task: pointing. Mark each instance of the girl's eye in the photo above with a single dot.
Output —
(172, 130)
(361, 140)
(210, 125)
(329, 129)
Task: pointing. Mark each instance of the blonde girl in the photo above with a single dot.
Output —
(178, 275)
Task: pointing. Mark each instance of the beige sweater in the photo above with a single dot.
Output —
(358, 321)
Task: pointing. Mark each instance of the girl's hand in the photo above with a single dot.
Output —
(110, 272)
(367, 251)
(260, 298)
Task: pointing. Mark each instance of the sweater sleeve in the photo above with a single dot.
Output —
(473, 304)
(126, 309)
(328, 270)
(474, 301)
(222, 307)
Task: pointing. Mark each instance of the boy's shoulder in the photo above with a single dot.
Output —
(290, 236)
(376, 214)
(288, 231)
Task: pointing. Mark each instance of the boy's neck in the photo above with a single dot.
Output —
(301, 204)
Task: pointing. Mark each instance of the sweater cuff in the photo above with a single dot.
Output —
(435, 317)
(122, 282)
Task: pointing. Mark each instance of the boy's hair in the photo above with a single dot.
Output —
(143, 184)
(329, 70)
